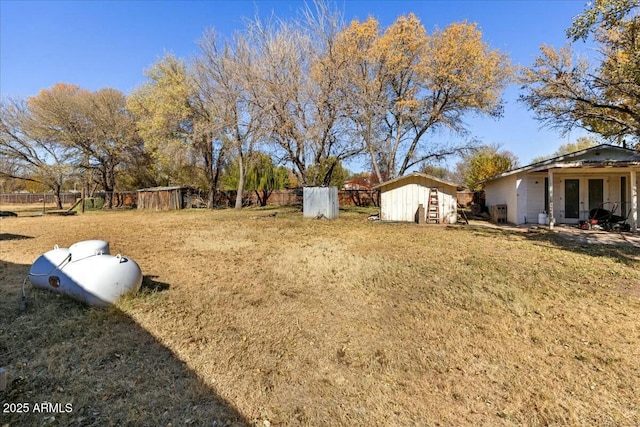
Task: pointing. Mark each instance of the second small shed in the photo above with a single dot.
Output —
(165, 198)
(400, 199)
(320, 202)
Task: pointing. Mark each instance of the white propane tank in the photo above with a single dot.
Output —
(86, 272)
(88, 248)
(46, 264)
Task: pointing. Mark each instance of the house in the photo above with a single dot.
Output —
(357, 184)
(400, 199)
(165, 198)
(568, 187)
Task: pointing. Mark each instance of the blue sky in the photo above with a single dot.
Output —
(97, 44)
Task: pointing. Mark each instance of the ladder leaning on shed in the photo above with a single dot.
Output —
(433, 210)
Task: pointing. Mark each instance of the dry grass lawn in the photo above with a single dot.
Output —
(246, 319)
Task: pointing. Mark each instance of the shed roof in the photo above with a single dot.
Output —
(179, 187)
(415, 174)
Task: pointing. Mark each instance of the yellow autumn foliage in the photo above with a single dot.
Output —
(160, 106)
(402, 81)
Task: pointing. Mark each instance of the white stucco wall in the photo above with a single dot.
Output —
(535, 197)
(504, 192)
(522, 189)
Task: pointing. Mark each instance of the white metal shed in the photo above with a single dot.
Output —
(320, 201)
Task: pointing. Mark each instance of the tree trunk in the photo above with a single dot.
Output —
(108, 199)
(326, 180)
(109, 184)
(374, 163)
(263, 196)
(241, 175)
(212, 168)
(213, 172)
(211, 198)
(84, 195)
(56, 195)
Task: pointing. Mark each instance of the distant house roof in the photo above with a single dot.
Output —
(572, 160)
(415, 174)
(358, 183)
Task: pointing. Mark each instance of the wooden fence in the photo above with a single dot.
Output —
(120, 198)
(30, 198)
(129, 199)
(293, 197)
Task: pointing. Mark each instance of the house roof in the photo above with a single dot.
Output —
(415, 174)
(572, 160)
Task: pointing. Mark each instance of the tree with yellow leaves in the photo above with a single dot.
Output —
(179, 126)
(402, 85)
(483, 163)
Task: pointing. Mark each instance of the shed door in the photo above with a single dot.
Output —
(572, 198)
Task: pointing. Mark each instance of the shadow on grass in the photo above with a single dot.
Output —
(9, 236)
(94, 366)
(360, 209)
(612, 245)
(149, 284)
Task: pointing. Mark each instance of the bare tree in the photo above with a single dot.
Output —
(30, 157)
(94, 124)
(296, 86)
(222, 76)
(567, 91)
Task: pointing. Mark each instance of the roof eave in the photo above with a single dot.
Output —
(545, 164)
(417, 174)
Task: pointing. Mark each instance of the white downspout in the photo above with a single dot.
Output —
(551, 215)
(634, 202)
